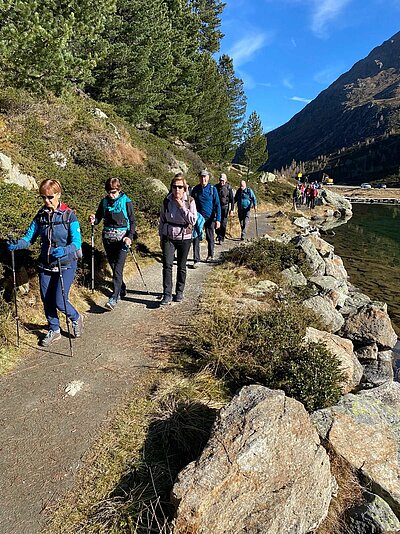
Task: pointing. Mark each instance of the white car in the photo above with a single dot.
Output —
(366, 186)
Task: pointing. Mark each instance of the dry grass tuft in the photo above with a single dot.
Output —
(349, 494)
(124, 154)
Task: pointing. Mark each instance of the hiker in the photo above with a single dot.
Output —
(245, 199)
(313, 195)
(296, 197)
(178, 215)
(225, 194)
(60, 239)
(118, 232)
(207, 203)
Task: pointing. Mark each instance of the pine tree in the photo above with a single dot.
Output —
(50, 44)
(237, 104)
(255, 144)
(209, 11)
(138, 66)
(213, 129)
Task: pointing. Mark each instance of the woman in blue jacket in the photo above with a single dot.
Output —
(60, 236)
(118, 231)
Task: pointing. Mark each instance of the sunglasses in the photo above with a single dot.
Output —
(178, 187)
(47, 197)
(113, 191)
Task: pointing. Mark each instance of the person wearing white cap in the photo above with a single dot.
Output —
(225, 194)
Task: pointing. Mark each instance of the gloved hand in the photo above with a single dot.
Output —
(58, 252)
(12, 245)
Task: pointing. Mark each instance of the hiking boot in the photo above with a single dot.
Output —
(195, 264)
(77, 326)
(50, 338)
(210, 258)
(111, 303)
(167, 299)
(179, 297)
(122, 293)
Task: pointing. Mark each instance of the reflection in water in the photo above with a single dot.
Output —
(369, 245)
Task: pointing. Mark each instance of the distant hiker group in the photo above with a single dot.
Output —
(305, 194)
(185, 213)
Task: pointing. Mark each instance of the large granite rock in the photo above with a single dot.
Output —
(335, 200)
(315, 261)
(158, 186)
(263, 470)
(373, 516)
(325, 310)
(294, 277)
(323, 247)
(12, 175)
(378, 371)
(334, 267)
(343, 350)
(365, 430)
(371, 324)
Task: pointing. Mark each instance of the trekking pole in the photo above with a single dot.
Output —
(65, 306)
(15, 294)
(92, 267)
(255, 219)
(139, 269)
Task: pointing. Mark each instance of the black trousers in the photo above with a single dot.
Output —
(116, 255)
(182, 247)
(221, 232)
(209, 227)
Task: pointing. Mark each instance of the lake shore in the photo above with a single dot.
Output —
(356, 192)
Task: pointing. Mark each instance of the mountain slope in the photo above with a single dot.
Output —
(362, 103)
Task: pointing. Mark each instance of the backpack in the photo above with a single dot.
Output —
(187, 201)
(198, 227)
(118, 203)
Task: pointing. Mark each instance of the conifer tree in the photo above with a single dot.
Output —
(52, 43)
(255, 144)
(237, 104)
(138, 66)
(212, 132)
(209, 11)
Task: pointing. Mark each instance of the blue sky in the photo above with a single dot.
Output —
(288, 51)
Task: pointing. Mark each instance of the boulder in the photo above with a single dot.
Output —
(369, 352)
(12, 175)
(373, 516)
(371, 324)
(334, 267)
(365, 430)
(336, 201)
(301, 222)
(99, 114)
(378, 371)
(343, 350)
(263, 470)
(315, 261)
(177, 166)
(327, 283)
(355, 301)
(266, 177)
(158, 186)
(337, 297)
(323, 247)
(325, 310)
(262, 288)
(294, 277)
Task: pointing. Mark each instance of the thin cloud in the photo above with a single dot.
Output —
(324, 12)
(300, 99)
(293, 41)
(329, 74)
(243, 51)
(287, 83)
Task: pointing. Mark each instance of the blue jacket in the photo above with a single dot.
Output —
(58, 228)
(245, 199)
(207, 201)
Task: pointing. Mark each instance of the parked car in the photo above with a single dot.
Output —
(366, 186)
(381, 186)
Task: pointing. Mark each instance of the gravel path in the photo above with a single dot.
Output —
(44, 431)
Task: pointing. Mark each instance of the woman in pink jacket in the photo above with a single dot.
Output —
(177, 217)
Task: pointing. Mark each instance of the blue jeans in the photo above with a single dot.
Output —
(52, 298)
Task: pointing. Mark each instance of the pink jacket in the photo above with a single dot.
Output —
(177, 223)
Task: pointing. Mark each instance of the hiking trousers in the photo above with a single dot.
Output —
(182, 247)
(221, 232)
(244, 219)
(209, 227)
(52, 297)
(116, 252)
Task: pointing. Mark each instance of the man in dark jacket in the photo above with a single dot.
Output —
(225, 194)
(245, 199)
(207, 203)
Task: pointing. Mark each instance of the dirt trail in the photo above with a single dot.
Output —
(43, 431)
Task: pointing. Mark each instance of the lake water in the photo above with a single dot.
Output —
(369, 244)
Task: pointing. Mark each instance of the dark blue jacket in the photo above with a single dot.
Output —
(58, 228)
(207, 201)
(245, 199)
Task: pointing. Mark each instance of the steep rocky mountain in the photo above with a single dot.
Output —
(361, 107)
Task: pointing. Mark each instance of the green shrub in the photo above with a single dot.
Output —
(267, 347)
(265, 257)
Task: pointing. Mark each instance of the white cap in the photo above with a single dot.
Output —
(222, 176)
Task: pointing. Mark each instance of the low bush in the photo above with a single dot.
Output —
(267, 347)
(265, 257)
